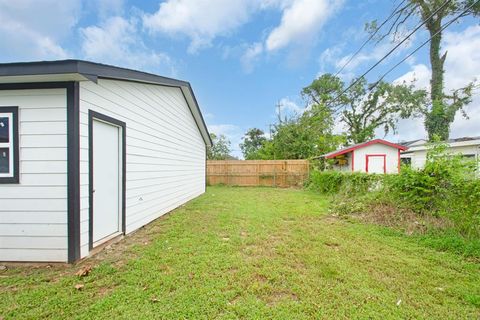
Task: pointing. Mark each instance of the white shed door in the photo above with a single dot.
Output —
(376, 164)
(106, 180)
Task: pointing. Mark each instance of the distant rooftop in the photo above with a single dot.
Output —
(360, 145)
(452, 140)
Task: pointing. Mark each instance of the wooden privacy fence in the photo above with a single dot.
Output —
(275, 173)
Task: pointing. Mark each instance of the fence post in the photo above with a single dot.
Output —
(274, 174)
(227, 174)
(249, 172)
(257, 171)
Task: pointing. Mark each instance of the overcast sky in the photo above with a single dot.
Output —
(241, 56)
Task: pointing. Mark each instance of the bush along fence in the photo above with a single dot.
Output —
(273, 173)
(443, 199)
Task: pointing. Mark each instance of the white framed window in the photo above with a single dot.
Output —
(9, 161)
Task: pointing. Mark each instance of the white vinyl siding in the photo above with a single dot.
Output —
(391, 157)
(33, 213)
(164, 149)
(419, 157)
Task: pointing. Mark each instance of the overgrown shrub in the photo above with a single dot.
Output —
(444, 176)
(334, 182)
(447, 186)
(443, 197)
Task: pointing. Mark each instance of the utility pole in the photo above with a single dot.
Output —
(279, 112)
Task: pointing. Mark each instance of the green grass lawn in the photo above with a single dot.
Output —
(252, 253)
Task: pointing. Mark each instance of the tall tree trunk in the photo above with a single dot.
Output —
(437, 122)
(437, 62)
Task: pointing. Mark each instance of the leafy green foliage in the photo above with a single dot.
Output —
(323, 90)
(345, 183)
(440, 111)
(365, 108)
(302, 136)
(220, 150)
(253, 140)
(445, 193)
(447, 186)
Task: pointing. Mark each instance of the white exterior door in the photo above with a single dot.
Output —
(106, 181)
(376, 164)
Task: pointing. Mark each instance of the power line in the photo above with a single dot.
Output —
(391, 51)
(425, 42)
(370, 38)
(413, 52)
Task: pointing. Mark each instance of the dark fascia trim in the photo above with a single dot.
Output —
(73, 138)
(92, 71)
(89, 69)
(206, 168)
(35, 85)
(16, 147)
(96, 115)
(201, 115)
(73, 156)
(184, 97)
(189, 87)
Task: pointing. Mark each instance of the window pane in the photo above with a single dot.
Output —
(406, 161)
(4, 130)
(4, 160)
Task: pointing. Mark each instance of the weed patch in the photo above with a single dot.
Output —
(440, 204)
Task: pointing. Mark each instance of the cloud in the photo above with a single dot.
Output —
(108, 8)
(233, 133)
(419, 74)
(202, 21)
(251, 56)
(333, 59)
(117, 41)
(34, 29)
(224, 129)
(463, 57)
(328, 58)
(199, 20)
(461, 67)
(351, 63)
(301, 22)
(289, 107)
(208, 116)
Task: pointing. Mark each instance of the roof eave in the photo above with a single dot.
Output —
(350, 149)
(336, 154)
(66, 70)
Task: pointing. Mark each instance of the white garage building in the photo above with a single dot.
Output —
(375, 156)
(89, 152)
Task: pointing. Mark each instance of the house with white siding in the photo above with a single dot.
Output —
(375, 156)
(416, 155)
(91, 152)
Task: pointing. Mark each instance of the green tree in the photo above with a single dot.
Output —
(442, 108)
(253, 140)
(302, 136)
(365, 108)
(220, 149)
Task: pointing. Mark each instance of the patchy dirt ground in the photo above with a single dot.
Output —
(250, 253)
